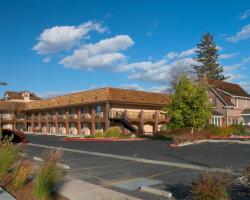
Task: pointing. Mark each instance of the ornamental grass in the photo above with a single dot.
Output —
(48, 175)
(21, 173)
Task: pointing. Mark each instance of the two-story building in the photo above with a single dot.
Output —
(84, 112)
(231, 103)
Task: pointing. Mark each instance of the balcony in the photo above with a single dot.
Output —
(133, 115)
(99, 115)
(7, 116)
(73, 116)
(62, 116)
(52, 117)
(36, 117)
(116, 114)
(148, 115)
(85, 116)
(43, 117)
(162, 116)
(21, 117)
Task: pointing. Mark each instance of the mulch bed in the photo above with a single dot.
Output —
(26, 192)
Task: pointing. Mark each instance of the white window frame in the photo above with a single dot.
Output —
(246, 103)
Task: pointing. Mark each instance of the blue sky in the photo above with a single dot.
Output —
(56, 47)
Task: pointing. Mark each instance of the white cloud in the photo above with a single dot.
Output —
(158, 72)
(148, 34)
(46, 60)
(132, 86)
(101, 54)
(227, 56)
(245, 15)
(243, 34)
(183, 54)
(58, 38)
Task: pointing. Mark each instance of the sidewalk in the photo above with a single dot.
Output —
(5, 195)
(81, 190)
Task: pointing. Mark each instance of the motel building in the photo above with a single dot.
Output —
(88, 112)
(84, 113)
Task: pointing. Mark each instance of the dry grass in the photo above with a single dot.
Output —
(21, 173)
(211, 186)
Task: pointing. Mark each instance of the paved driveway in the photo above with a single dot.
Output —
(111, 164)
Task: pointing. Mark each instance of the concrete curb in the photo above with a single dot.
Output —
(217, 140)
(5, 195)
(187, 143)
(104, 139)
(156, 191)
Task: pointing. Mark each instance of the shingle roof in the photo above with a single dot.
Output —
(101, 95)
(226, 98)
(231, 88)
(11, 106)
(18, 95)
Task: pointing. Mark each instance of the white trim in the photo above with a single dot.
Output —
(218, 95)
(233, 95)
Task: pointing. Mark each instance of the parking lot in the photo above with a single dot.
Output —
(121, 165)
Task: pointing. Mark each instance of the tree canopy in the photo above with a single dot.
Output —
(207, 59)
(189, 105)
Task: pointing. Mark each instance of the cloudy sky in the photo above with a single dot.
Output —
(55, 47)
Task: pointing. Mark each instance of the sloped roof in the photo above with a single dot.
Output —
(231, 88)
(101, 95)
(11, 106)
(18, 95)
(225, 97)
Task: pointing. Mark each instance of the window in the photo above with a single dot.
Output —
(234, 101)
(72, 125)
(84, 125)
(98, 108)
(246, 103)
(216, 121)
(213, 101)
(98, 126)
(235, 121)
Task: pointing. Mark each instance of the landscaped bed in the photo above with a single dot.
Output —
(113, 134)
(25, 179)
(184, 136)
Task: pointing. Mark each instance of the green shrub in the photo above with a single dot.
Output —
(21, 173)
(113, 132)
(227, 131)
(211, 186)
(99, 134)
(238, 129)
(89, 136)
(8, 155)
(48, 175)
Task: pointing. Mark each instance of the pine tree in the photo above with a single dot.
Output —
(207, 58)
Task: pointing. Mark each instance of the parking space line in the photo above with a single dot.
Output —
(163, 173)
(101, 166)
(141, 160)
